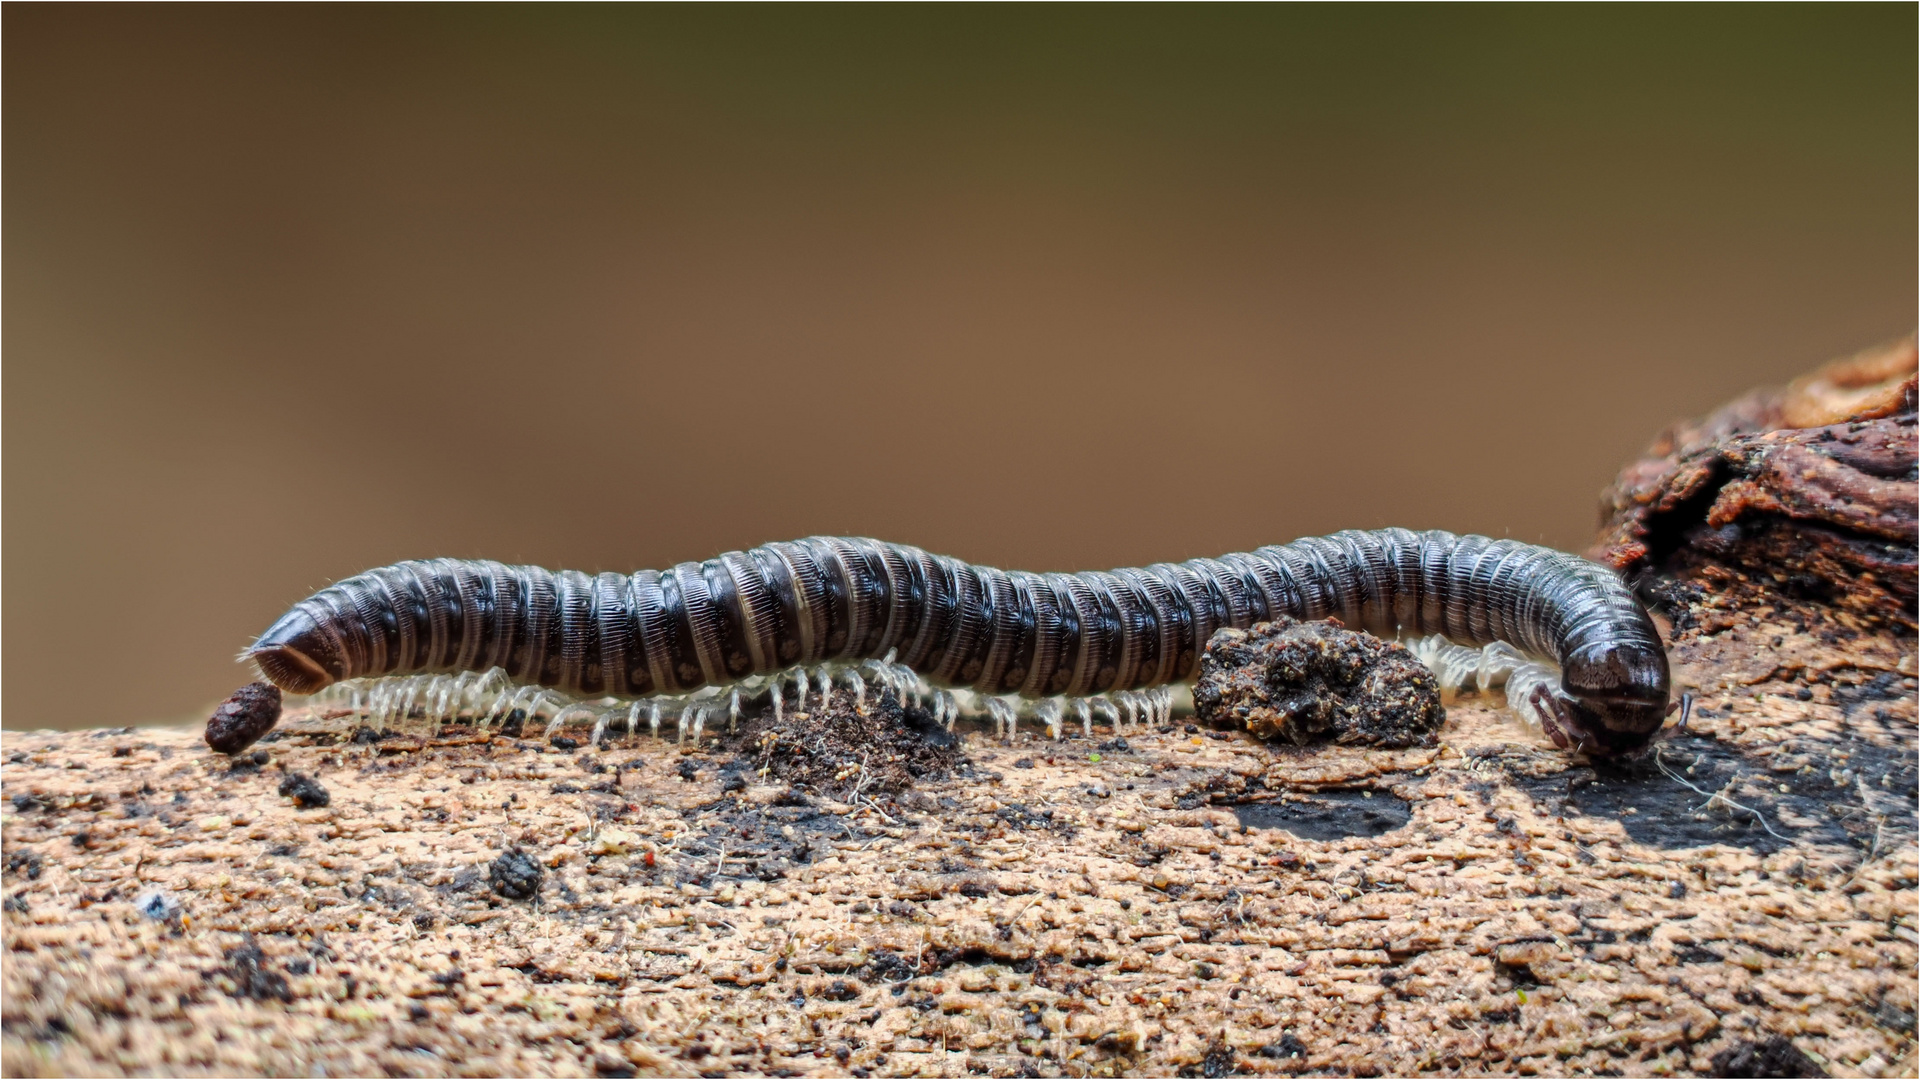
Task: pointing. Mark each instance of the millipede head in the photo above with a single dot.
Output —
(298, 656)
(1616, 696)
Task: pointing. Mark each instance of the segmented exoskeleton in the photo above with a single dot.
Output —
(1004, 635)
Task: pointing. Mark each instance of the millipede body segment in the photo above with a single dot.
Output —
(998, 633)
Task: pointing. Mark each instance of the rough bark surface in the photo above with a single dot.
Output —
(1740, 900)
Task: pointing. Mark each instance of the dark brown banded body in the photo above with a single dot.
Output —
(992, 631)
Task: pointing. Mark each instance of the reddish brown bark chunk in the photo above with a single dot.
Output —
(1811, 489)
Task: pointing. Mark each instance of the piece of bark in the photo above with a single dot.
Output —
(1811, 490)
(1137, 905)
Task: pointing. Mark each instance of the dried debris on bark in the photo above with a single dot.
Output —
(843, 748)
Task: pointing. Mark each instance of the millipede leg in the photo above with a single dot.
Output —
(1048, 713)
(540, 701)
(1105, 704)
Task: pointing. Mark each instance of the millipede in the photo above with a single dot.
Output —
(473, 639)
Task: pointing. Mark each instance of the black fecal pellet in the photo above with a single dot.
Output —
(515, 875)
(561, 742)
(241, 719)
(992, 631)
(304, 790)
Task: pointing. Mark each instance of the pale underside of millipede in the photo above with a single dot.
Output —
(490, 699)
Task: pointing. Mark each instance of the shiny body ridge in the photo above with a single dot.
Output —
(782, 605)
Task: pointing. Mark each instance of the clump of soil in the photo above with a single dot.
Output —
(1317, 682)
(515, 875)
(833, 748)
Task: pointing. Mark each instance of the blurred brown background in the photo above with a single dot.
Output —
(295, 291)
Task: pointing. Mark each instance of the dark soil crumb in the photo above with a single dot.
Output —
(24, 862)
(515, 875)
(1317, 681)
(1287, 1046)
(245, 764)
(1775, 1057)
(252, 977)
(241, 719)
(304, 790)
(836, 750)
